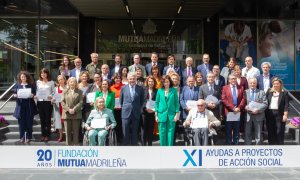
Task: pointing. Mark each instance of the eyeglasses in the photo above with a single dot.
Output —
(200, 105)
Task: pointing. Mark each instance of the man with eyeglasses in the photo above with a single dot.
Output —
(201, 120)
(219, 79)
(234, 101)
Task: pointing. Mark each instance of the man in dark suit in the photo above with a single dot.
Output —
(131, 100)
(188, 71)
(105, 73)
(234, 102)
(154, 59)
(114, 68)
(219, 80)
(205, 67)
(189, 92)
(171, 65)
(265, 79)
(77, 70)
(210, 88)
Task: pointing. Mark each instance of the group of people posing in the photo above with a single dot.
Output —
(139, 101)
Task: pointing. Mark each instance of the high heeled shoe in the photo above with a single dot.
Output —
(59, 140)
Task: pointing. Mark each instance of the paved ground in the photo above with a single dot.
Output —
(204, 174)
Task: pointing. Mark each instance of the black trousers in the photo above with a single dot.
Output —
(45, 111)
(275, 127)
(148, 126)
(118, 128)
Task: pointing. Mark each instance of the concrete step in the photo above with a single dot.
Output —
(15, 128)
(13, 121)
(35, 135)
(33, 143)
(9, 108)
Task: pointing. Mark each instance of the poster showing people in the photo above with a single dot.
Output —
(297, 45)
(275, 45)
(238, 40)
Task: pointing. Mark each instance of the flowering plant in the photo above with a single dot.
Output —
(3, 122)
(295, 121)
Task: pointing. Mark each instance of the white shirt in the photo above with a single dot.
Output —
(117, 68)
(42, 85)
(266, 81)
(104, 76)
(187, 71)
(77, 74)
(193, 113)
(253, 72)
(274, 102)
(217, 80)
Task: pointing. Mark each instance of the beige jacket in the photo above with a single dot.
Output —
(71, 100)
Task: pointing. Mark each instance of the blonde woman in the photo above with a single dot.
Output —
(72, 104)
(57, 108)
(277, 112)
(100, 112)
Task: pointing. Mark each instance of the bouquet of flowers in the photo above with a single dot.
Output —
(3, 122)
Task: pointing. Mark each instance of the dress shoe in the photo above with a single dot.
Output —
(28, 141)
(21, 140)
(46, 139)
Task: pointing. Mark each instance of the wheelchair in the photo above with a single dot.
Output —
(110, 139)
(189, 140)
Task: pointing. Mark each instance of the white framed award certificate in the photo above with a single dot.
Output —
(24, 93)
(42, 94)
(199, 123)
(90, 97)
(150, 104)
(98, 123)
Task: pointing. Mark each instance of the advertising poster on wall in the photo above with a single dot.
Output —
(297, 46)
(275, 45)
(237, 39)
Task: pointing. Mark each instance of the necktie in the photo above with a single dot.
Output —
(206, 67)
(211, 90)
(189, 71)
(191, 93)
(252, 95)
(132, 92)
(234, 98)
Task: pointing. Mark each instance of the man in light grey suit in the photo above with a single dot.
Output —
(137, 60)
(210, 88)
(255, 115)
(131, 100)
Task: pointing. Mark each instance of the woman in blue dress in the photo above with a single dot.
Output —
(25, 105)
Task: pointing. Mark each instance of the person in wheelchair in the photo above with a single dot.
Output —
(202, 122)
(99, 122)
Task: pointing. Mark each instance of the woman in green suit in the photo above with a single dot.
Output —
(166, 111)
(107, 95)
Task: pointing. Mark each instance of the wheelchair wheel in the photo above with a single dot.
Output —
(85, 141)
(112, 138)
